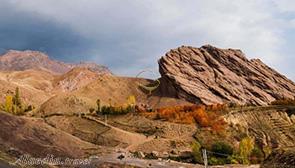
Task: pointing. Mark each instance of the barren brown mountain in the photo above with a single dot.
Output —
(211, 75)
(15, 60)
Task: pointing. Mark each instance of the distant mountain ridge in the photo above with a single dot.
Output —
(14, 60)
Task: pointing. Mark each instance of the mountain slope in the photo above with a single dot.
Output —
(109, 89)
(34, 136)
(22, 60)
(211, 75)
(35, 86)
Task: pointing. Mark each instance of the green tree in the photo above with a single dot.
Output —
(16, 98)
(197, 153)
(222, 149)
(98, 106)
(17, 103)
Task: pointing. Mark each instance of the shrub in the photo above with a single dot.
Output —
(29, 108)
(197, 153)
(217, 161)
(222, 153)
(232, 105)
(222, 149)
(256, 155)
(116, 110)
(234, 159)
(213, 161)
(266, 151)
(91, 110)
(218, 125)
(105, 110)
(290, 111)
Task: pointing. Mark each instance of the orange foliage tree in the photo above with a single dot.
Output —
(189, 114)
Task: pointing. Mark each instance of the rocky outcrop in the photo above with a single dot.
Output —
(22, 60)
(282, 158)
(270, 127)
(75, 79)
(211, 75)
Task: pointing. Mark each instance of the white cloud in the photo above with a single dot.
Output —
(146, 29)
(285, 5)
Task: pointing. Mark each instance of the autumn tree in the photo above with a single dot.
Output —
(8, 103)
(13, 103)
(131, 100)
(201, 117)
(246, 147)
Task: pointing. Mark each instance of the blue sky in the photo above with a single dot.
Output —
(131, 35)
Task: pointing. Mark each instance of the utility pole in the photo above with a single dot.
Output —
(205, 158)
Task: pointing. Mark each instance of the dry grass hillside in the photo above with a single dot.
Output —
(78, 90)
(35, 137)
(35, 86)
(109, 90)
(74, 79)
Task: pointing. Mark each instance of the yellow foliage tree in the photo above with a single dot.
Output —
(131, 100)
(246, 147)
(9, 103)
(13, 104)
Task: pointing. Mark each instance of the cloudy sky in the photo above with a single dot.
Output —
(131, 35)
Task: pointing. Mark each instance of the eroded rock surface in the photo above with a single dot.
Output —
(211, 75)
(282, 158)
(270, 127)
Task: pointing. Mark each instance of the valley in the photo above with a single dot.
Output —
(242, 112)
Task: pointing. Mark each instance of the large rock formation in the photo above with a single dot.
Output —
(211, 75)
(22, 60)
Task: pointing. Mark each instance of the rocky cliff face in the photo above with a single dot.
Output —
(22, 60)
(211, 75)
